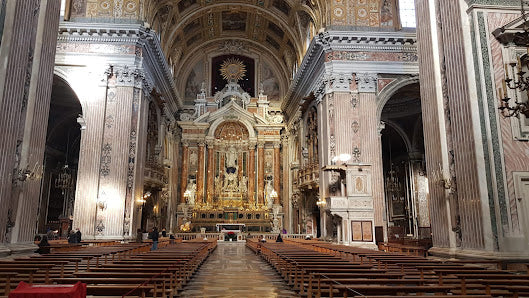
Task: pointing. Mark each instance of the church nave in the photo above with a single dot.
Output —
(233, 270)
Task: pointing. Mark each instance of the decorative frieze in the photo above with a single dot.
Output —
(366, 82)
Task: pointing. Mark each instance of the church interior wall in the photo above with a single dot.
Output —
(507, 149)
(150, 155)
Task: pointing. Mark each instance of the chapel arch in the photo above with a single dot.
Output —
(61, 159)
(403, 156)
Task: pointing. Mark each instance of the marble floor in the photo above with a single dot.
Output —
(233, 270)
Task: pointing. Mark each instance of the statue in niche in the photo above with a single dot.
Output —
(192, 187)
(268, 191)
(218, 185)
(230, 182)
(243, 184)
(231, 158)
(193, 158)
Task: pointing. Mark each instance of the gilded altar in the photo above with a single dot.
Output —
(231, 158)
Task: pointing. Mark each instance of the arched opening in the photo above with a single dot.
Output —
(307, 214)
(405, 180)
(61, 159)
(155, 207)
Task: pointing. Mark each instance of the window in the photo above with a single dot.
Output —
(63, 7)
(407, 13)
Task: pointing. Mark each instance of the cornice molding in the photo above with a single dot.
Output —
(153, 63)
(313, 69)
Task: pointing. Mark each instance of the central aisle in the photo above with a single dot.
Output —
(233, 270)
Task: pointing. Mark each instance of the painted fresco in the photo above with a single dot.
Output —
(270, 82)
(363, 13)
(194, 81)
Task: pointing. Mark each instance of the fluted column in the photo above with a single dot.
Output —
(210, 173)
(200, 173)
(185, 170)
(370, 147)
(277, 173)
(26, 75)
(251, 175)
(260, 174)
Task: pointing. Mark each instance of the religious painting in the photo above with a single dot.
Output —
(78, 8)
(234, 21)
(386, 13)
(397, 207)
(194, 81)
(270, 83)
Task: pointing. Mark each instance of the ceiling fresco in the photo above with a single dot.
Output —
(275, 33)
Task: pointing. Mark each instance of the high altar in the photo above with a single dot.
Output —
(231, 159)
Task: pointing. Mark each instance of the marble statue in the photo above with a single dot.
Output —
(192, 187)
(243, 184)
(231, 158)
(268, 191)
(230, 182)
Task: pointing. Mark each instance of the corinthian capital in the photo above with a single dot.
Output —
(367, 82)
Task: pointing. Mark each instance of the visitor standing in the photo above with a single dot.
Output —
(139, 236)
(154, 237)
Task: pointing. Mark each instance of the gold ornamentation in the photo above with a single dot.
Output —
(233, 70)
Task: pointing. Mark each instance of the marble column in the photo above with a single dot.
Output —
(107, 184)
(260, 174)
(370, 145)
(251, 175)
(185, 170)
(277, 173)
(26, 73)
(210, 173)
(432, 115)
(200, 173)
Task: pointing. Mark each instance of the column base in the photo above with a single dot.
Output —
(7, 250)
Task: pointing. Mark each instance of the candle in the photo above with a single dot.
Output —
(504, 84)
(506, 71)
(519, 64)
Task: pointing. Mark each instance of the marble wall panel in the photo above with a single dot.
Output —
(515, 153)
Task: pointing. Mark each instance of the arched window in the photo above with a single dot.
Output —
(407, 13)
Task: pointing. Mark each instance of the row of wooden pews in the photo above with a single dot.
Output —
(130, 269)
(315, 268)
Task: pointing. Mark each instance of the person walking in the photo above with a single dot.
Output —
(154, 237)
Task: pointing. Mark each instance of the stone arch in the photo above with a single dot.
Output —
(402, 134)
(391, 89)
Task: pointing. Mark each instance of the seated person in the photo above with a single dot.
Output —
(44, 246)
(279, 239)
(264, 239)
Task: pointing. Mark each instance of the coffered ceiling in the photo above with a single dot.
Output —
(278, 29)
